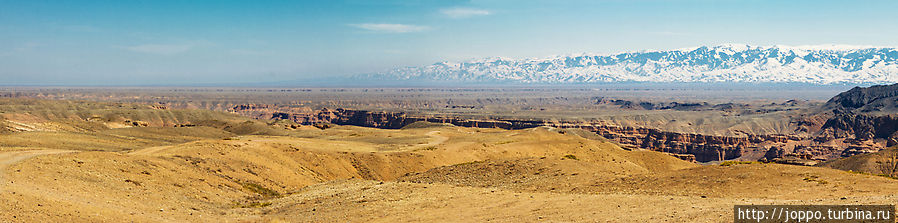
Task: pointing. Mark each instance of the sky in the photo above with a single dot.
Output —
(162, 42)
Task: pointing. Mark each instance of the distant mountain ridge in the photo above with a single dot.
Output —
(824, 64)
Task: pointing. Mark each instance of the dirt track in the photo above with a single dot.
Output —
(148, 151)
(435, 139)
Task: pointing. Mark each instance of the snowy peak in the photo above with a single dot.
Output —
(822, 64)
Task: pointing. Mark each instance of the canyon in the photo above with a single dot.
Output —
(253, 155)
(842, 127)
(706, 125)
(698, 147)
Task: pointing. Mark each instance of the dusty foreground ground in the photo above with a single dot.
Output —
(55, 167)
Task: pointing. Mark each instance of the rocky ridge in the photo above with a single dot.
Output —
(825, 64)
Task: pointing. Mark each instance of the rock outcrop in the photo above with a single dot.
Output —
(870, 97)
(860, 120)
(862, 127)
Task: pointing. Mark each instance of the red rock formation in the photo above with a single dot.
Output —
(703, 147)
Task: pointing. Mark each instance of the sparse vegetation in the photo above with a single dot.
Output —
(817, 179)
(261, 190)
(871, 174)
(468, 163)
(734, 162)
(570, 156)
(504, 142)
(429, 148)
(254, 204)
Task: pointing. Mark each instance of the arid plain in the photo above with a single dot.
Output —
(88, 155)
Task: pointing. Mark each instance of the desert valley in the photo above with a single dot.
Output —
(464, 154)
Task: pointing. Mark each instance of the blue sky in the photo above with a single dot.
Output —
(211, 42)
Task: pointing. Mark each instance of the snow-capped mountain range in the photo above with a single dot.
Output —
(824, 64)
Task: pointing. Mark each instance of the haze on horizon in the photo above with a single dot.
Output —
(227, 42)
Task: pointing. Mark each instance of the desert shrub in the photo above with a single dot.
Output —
(255, 205)
(429, 148)
(504, 142)
(259, 189)
(815, 179)
(872, 174)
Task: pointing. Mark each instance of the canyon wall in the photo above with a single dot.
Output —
(703, 147)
